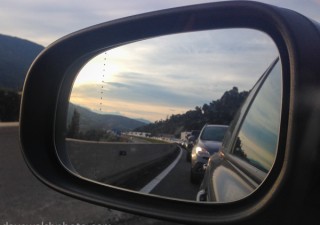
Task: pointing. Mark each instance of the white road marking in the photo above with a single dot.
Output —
(152, 184)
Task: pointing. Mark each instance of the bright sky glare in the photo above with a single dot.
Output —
(156, 78)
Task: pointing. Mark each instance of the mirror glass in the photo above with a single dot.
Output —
(136, 111)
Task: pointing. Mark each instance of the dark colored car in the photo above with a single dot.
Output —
(208, 143)
(248, 151)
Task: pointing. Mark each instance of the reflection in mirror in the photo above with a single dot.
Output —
(254, 149)
(136, 111)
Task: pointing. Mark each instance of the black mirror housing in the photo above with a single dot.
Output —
(289, 189)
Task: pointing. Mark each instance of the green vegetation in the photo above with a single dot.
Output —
(150, 140)
(219, 111)
(96, 134)
(73, 128)
(95, 121)
(100, 135)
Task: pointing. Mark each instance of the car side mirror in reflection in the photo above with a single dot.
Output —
(175, 115)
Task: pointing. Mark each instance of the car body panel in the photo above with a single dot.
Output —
(204, 148)
(211, 146)
(227, 182)
(238, 169)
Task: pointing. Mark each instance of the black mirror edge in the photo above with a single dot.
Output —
(50, 78)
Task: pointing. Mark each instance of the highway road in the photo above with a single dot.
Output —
(159, 169)
(176, 183)
(25, 200)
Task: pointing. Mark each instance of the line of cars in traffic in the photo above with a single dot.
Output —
(208, 143)
(189, 141)
(230, 162)
(200, 145)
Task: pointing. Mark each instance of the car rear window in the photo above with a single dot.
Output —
(212, 133)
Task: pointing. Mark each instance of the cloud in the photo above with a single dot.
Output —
(117, 85)
(176, 72)
(45, 21)
(126, 103)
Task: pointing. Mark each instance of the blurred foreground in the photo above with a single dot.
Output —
(25, 200)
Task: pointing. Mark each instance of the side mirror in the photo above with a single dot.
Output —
(282, 194)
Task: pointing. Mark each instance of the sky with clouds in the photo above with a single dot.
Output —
(172, 74)
(44, 21)
(155, 78)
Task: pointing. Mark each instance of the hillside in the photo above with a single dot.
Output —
(219, 111)
(9, 105)
(93, 121)
(16, 56)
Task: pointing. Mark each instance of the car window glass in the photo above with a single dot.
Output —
(213, 133)
(227, 143)
(258, 136)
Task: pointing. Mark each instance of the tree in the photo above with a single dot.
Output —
(220, 111)
(9, 105)
(74, 126)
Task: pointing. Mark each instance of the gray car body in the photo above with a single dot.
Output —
(200, 159)
(228, 176)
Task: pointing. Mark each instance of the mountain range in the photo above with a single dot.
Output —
(16, 56)
(90, 120)
(220, 111)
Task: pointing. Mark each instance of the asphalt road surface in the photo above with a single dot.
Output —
(177, 183)
(25, 200)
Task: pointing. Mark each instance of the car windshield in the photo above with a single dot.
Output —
(213, 133)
